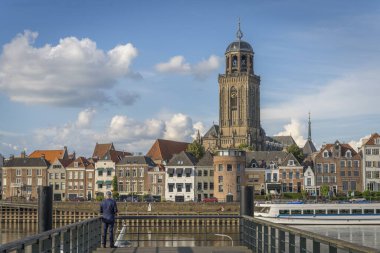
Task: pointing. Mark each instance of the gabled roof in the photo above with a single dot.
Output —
(114, 155)
(65, 162)
(101, 149)
(212, 132)
(371, 140)
(262, 158)
(137, 160)
(344, 147)
(284, 140)
(27, 162)
(82, 163)
(164, 150)
(206, 160)
(50, 155)
(309, 148)
(182, 159)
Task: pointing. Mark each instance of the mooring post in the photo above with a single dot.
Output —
(45, 208)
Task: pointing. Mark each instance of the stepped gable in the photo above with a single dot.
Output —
(163, 150)
(101, 149)
(206, 160)
(183, 159)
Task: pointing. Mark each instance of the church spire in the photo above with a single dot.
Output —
(309, 131)
(239, 33)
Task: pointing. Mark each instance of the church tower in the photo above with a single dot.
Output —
(239, 98)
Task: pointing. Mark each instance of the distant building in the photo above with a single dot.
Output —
(371, 163)
(204, 177)
(57, 178)
(338, 166)
(163, 150)
(51, 155)
(239, 101)
(229, 171)
(1, 174)
(156, 181)
(132, 173)
(22, 176)
(80, 179)
(180, 178)
(309, 147)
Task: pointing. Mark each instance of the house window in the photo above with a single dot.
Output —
(199, 186)
(297, 174)
(63, 186)
(29, 182)
(353, 185)
(121, 173)
(229, 167)
(18, 172)
(290, 175)
(51, 175)
(308, 181)
(56, 176)
(39, 181)
(326, 168)
(342, 163)
(319, 168)
(100, 173)
(284, 175)
(29, 172)
(274, 177)
(220, 188)
(345, 185)
(179, 187)
(220, 179)
(290, 187)
(349, 164)
(356, 164)
(291, 163)
(332, 167)
(89, 186)
(211, 173)
(238, 167)
(325, 154)
(199, 172)
(81, 174)
(205, 185)
(76, 175)
(342, 173)
(39, 172)
(211, 186)
(81, 185)
(220, 167)
(348, 154)
(205, 173)
(76, 164)
(188, 187)
(375, 151)
(109, 172)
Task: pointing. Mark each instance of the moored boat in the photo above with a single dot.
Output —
(298, 213)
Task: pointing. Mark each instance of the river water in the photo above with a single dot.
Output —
(165, 236)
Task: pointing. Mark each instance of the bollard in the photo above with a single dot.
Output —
(246, 200)
(45, 208)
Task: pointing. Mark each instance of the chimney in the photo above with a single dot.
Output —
(23, 154)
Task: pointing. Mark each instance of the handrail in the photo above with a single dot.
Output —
(20, 244)
(314, 236)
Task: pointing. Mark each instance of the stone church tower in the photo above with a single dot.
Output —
(239, 101)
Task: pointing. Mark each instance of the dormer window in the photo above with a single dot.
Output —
(325, 154)
(76, 164)
(348, 154)
(377, 141)
(291, 163)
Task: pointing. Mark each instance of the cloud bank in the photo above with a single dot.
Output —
(200, 70)
(72, 73)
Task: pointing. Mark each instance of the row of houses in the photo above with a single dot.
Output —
(170, 172)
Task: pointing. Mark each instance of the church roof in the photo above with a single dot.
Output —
(309, 148)
(238, 46)
(212, 132)
(286, 140)
(163, 150)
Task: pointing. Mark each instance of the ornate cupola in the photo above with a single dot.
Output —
(239, 55)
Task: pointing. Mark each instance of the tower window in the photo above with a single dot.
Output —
(233, 98)
(244, 61)
(234, 61)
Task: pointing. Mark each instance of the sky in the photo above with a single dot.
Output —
(74, 73)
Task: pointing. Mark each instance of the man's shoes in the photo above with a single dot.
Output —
(104, 246)
(113, 246)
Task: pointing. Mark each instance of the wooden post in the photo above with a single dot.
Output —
(45, 208)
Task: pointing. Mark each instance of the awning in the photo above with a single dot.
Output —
(171, 171)
(276, 187)
(108, 182)
(187, 170)
(100, 182)
(179, 171)
(100, 169)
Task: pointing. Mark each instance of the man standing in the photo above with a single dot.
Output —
(108, 209)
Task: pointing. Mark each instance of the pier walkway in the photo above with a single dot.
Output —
(238, 249)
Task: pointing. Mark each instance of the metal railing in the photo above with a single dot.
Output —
(264, 236)
(179, 230)
(83, 236)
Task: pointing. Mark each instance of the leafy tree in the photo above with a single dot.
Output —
(244, 146)
(325, 190)
(196, 149)
(115, 188)
(296, 151)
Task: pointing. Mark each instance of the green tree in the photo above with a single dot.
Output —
(115, 188)
(244, 146)
(296, 151)
(196, 149)
(325, 190)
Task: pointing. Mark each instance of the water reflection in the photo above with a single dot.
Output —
(12, 232)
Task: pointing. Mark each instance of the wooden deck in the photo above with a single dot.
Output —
(238, 249)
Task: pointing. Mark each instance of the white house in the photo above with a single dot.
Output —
(180, 178)
(309, 181)
(371, 163)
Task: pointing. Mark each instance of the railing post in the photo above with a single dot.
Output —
(292, 243)
(74, 240)
(36, 247)
(303, 245)
(266, 238)
(99, 232)
(86, 237)
(273, 240)
(80, 238)
(259, 238)
(332, 249)
(57, 243)
(254, 235)
(281, 240)
(66, 241)
(316, 247)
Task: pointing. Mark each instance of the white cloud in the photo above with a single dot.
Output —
(85, 118)
(178, 65)
(179, 127)
(348, 96)
(294, 128)
(10, 146)
(357, 144)
(72, 73)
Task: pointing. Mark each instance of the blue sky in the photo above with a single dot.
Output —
(79, 72)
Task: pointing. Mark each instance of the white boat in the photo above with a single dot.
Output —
(298, 213)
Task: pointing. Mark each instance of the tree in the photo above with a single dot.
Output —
(115, 189)
(244, 146)
(296, 151)
(196, 149)
(325, 190)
